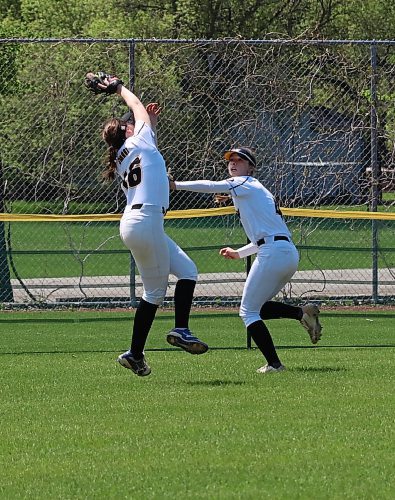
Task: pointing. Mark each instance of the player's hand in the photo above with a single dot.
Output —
(221, 199)
(229, 253)
(153, 110)
(172, 184)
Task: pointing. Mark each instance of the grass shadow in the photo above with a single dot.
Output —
(361, 315)
(102, 319)
(350, 346)
(215, 383)
(320, 369)
(174, 349)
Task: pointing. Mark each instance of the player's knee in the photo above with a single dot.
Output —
(248, 317)
(154, 296)
(191, 273)
(189, 277)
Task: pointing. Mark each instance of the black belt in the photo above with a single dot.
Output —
(139, 205)
(275, 238)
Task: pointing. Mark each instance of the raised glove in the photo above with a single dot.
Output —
(102, 83)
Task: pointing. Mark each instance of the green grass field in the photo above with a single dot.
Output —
(76, 425)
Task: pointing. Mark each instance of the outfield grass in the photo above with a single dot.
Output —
(77, 425)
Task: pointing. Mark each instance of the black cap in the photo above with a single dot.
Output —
(244, 153)
(129, 116)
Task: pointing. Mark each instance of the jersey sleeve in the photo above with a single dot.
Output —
(204, 186)
(142, 131)
(247, 250)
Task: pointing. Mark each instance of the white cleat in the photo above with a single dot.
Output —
(311, 323)
(270, 369)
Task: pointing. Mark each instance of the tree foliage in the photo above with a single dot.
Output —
(362, 19)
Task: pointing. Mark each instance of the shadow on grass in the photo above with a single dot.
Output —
(321, 369)
(215, 383)
(110, 319)
(351, 346)
(172, 349)
(114, 351)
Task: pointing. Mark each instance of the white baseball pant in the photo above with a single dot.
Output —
(274, 265)
(156, 255)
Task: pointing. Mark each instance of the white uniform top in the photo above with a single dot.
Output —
(259, 212)
(142, 169)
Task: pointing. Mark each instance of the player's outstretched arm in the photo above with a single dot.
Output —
(203, 186)
(104, 83)
(134, 104)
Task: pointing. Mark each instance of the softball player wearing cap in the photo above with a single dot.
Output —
(134, 157)
(276, 256)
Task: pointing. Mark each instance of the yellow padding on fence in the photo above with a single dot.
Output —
(193, 212)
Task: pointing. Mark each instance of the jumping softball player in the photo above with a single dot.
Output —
(133, 156)
(276, 256)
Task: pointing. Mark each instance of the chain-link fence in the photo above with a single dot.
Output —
(319, 116)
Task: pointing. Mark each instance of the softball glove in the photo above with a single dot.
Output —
(102, 83)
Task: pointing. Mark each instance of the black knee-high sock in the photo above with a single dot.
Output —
(183, 296)
(143, 319)
(262, 338)
(275, 310)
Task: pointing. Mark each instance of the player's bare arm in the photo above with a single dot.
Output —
(104, 83)
(134, 104)
(229, 253)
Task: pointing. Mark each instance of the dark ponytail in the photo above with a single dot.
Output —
(114, 135)
(111, 165)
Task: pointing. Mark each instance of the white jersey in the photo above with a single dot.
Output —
(259, 213)
(142, 169)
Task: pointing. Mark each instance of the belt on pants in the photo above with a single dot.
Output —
(275, 238)
(139, 205)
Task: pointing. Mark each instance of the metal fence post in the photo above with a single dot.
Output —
(374, 169)
(132, 275)
(6, 294)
